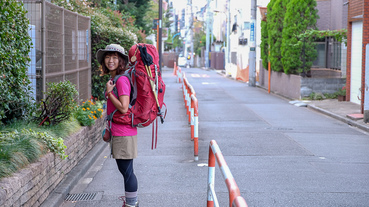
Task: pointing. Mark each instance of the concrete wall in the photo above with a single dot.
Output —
(281, 83)
(33, 184)
(321, 85)
(296, 87)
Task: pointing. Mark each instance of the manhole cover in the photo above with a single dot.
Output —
(80, 197)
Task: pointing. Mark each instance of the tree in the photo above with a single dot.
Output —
(107, 26)
(15, 45)
(275, 30)
(297, 53)
(264, 46)
(137, 9)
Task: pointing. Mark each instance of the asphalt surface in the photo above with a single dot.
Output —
(278, 153)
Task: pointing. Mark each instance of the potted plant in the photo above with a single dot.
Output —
(341, 94)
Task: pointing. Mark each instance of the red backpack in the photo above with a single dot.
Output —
(147, 88)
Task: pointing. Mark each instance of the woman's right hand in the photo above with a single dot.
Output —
(109, 86)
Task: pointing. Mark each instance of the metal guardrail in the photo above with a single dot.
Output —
(235, 198)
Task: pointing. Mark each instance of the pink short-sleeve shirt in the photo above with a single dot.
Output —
(124, 88)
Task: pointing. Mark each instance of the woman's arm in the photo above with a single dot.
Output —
(122, 103)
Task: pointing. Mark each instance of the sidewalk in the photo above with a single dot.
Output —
(344, 111)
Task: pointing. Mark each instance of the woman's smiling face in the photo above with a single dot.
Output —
(111, 61)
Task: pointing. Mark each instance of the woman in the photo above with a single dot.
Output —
(113, 60)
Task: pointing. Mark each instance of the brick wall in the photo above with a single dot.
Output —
(32, 185)
(356, 9)
(356, 13)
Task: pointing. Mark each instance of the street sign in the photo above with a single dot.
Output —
(252, 34)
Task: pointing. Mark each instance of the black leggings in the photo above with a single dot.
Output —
(126, 168)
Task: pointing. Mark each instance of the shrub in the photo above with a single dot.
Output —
(264, 46)
(58, 104)
(298, 52)
(275, 29)
(88, 112)
(16, 101)
(341, 91)
(55, 145)
(18, 149)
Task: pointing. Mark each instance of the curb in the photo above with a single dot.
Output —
(340, 118)
(57, 196)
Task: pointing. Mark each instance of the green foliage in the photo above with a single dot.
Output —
(55, 145)
(148, 41)
(199, 41)
(316, 96)
(330, 95)
(107, 27)
(137, 9)
(59, 103)
(275, 30)
(15, 99)
(103, 33)
(298, 54)
(341, 91)
(88, 112)
(16, 151)
(316, 35)
(322, 96)
(264, 46)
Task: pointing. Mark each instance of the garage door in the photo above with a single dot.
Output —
(356, 61)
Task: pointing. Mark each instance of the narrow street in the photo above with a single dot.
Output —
(279, 154)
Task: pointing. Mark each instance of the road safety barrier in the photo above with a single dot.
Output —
(235, 199)
(177, 71)
(191, 104)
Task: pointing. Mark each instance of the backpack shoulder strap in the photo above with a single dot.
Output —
(115, 91)
(133, 95)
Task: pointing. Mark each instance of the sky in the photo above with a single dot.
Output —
(181, 4)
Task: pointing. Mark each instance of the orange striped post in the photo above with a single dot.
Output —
(195, 125)
(184, 87)
(233, 190)
(175, 69)
(179, 75)
(190, 91)
(239, 201)
(211, 179)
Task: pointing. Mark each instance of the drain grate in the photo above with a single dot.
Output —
(80, 197)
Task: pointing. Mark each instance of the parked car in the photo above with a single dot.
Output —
(182, 61)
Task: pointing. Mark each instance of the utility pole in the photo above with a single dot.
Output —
(191, 32)
(207, 34)
(252, 54)
(229, 31)
(160, 30)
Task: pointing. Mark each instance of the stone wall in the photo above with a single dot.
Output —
(32, 185)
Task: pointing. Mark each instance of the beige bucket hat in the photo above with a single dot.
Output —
(111, 48)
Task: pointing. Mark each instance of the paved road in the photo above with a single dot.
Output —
(279, 154)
